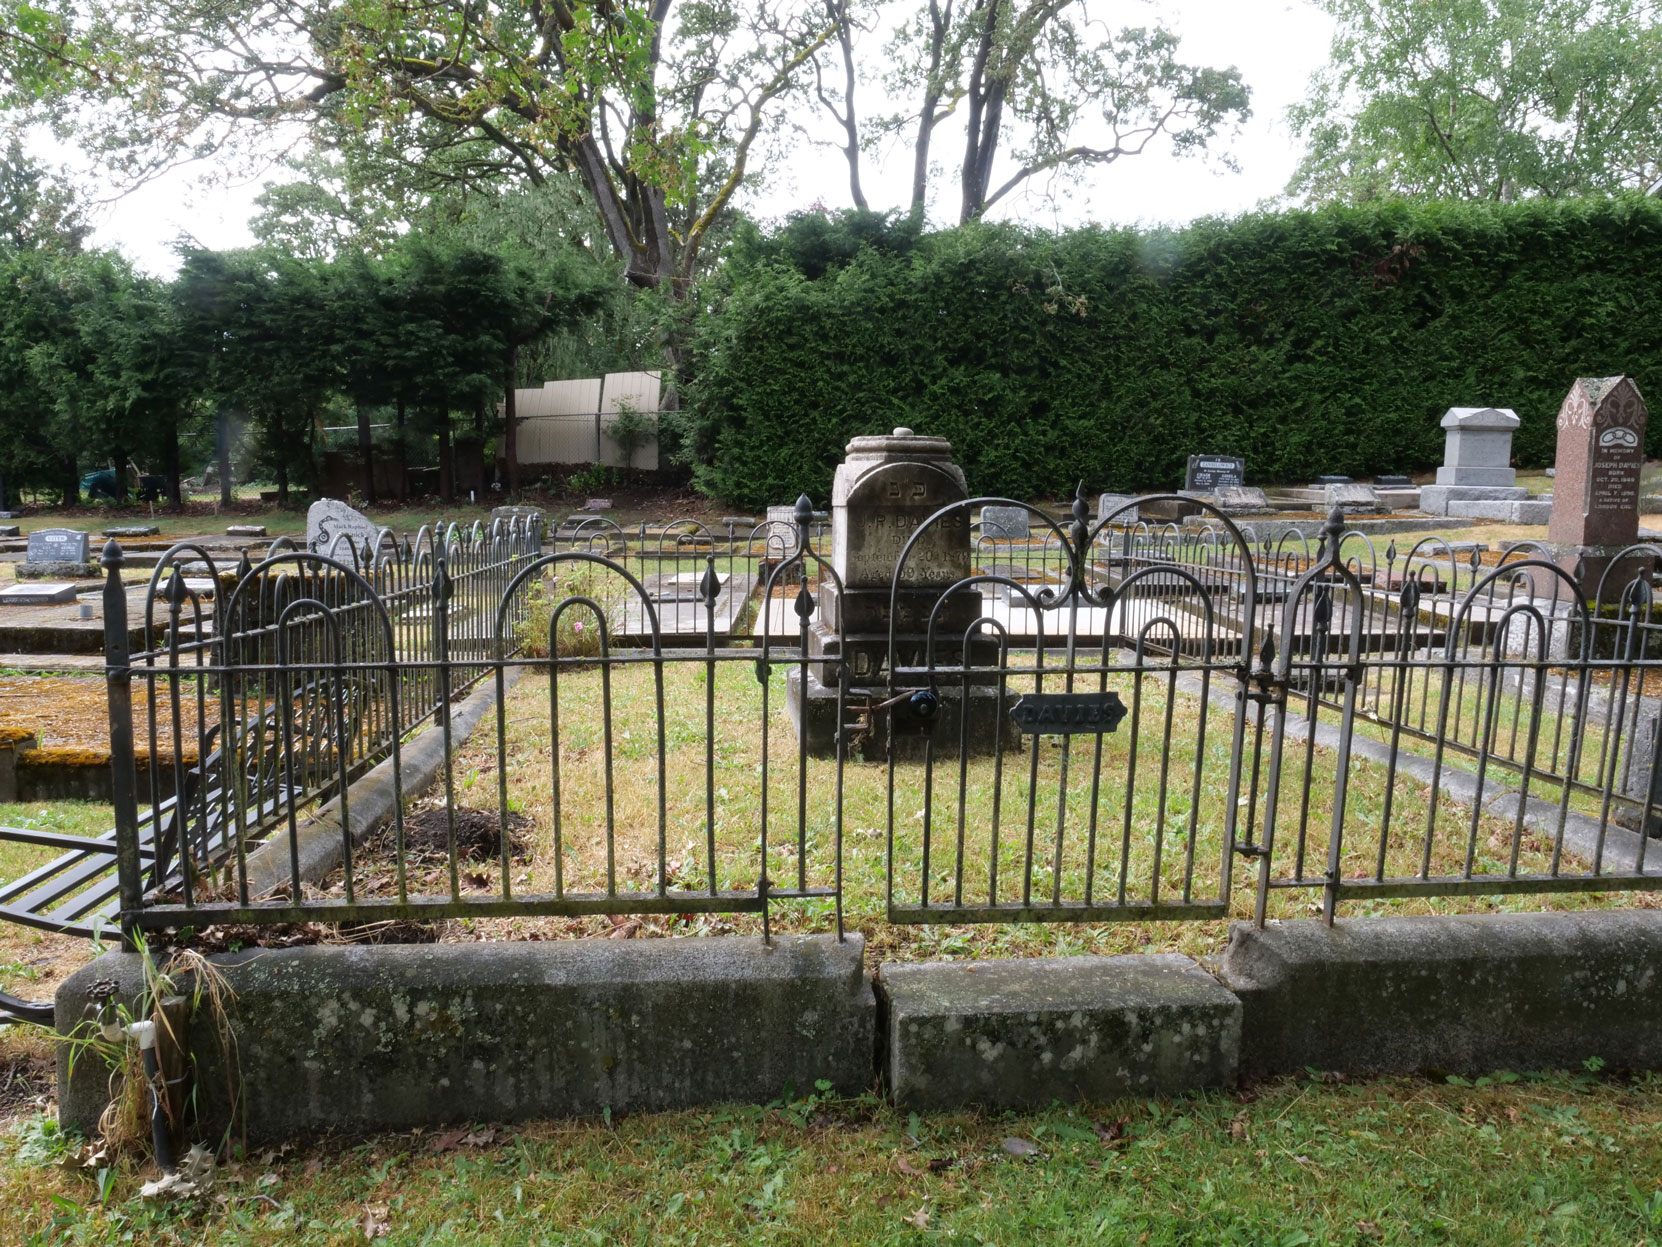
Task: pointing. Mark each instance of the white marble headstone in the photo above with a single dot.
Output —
(327, 520)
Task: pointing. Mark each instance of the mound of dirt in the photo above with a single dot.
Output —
(478, 833)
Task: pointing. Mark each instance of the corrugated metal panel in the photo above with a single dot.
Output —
(640, 391)
(557, 421)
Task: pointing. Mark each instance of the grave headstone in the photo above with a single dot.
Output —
(1353, 499)
(1111, 504)
(10, 530)
(738, 523)
(245, 530)
(1333, 480)
(133, 530)
(778, 535)
(57, 545)
(38, 593)
(1477, 460)
(1242, 500)
(327, 520)
(1393, 482)
(1005, 523)
(884, 491)
(598, 504)
(1601, 450)
(1208, 473)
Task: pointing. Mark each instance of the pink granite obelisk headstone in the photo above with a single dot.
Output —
(1595, 497)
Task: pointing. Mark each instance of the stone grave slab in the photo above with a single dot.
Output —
(1332, 480)
(1005, 523)
(1393, 482)
(245, 530)
(1208, 473)
(10, 530)
(43, 593)
(596, 505)
(1354, 498)
(1242, 500)
(58, 545)
(327, 520)
(133, 530)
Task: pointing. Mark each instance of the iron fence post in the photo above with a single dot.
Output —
(118, 676)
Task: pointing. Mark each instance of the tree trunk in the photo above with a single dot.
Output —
(282, 481)
(121, 493)
(223, 437)
(510, 422)
(71, 481)
(403, 456)
(170, 460)
(447, 462)
(366, 454)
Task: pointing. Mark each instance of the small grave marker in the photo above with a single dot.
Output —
(1333, 480)
(327, 520)
(1208, 473)
(133, 530)
(1242, 500)
(1353, 498)
(598, 504)
(1107, 504)
(57, 545)
(10, 530)
(1393, 482)
(245, 530)
(39, 593)
(1005, 523)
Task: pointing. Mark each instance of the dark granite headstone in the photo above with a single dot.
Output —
(1207, 473)
(57, 545)
(1393, 482)
(1333, 480)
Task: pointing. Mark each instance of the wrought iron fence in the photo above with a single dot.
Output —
(1105, 720)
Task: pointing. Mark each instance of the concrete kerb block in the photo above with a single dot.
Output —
(392, 1037)
(1464, 994)
(1031, 1031)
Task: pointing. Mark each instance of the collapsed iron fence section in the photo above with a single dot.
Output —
(318, 668)
(269, 688)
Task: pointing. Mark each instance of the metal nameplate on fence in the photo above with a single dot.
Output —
(1044, 714)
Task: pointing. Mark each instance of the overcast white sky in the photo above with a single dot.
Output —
(1277, 45)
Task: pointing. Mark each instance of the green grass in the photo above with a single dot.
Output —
(1299, 1163)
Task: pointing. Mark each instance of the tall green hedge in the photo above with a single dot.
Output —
(1310, 342)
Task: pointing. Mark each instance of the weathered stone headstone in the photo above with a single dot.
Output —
(1601, 450)
(598, 504)
(1477, 460)
(9, 530)
(510, 514)
(1208, 473)
(1242, 500)
(884, 491)
(245, 530)
(1353, 499)
(1111, 504)
(327, 520)
(1005, 523)
(57, 545)
(133, 530)
(778, 534)
(39, 593)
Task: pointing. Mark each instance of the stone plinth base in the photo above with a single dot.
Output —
(365, 1039)
(814, 717)
(1027, 1032)
(1435, 499)
(1524, 511)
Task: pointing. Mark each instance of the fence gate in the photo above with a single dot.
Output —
(1066, 725)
